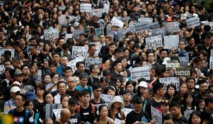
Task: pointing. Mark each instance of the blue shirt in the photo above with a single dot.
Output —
(79, 88)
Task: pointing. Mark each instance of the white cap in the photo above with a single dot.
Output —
(165, 60)
(116, 99)
(16, 83)
(15, 89)
(76, 24)
(143, 84)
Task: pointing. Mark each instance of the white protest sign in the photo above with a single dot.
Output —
(193, 22)
(89, 61)
(172, 64)
(62, 20)
(126, 111)
(171, 80)
(73, 62)
(2, 51)
(171, 41)
(117, 22)
(85, 7)
(172, 27)
(57, 113)
(99, 12)
(156, 115)
(2, 69)
(184, 61)
(187, 113)
(140, 72)
(99, 31)
(141, 26)
(76, 33)
(154, 41)
(211, 62)
(39, 76)
(211, 25)
(118, 121)
(147, 20)
(68, 36)
(98, 46)
(51, 33)
(106, 98)
(154, 25)
(124, 19)
(79, 51)
(159, 31)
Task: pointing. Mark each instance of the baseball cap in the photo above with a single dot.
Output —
(143, 84)
(15, 89)
(18, 73)
(16, 83)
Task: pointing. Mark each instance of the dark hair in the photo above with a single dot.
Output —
(73, 101)
(197, 60)
(137, 100)
(27, 102)
(79, 63)
(83, 75)
(168, 86)
(61, 82)
(130, 83)
(63, 96)
(22, 95)
(157, 86)
(85, 92)
(96, 86)
(168, 117)
(92, 66)
(99, 110)
(175, 104)
(190, 78)
(208, 100)
(67, 68)
(198, 113)
(104, 79)
(117, 50)
(106, 72)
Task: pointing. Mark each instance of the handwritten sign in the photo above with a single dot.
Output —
(156, 115)
(51, 33)
(155, 41)
(193, 22)
(171, 41)
(172, 27)
(141, 26)
(85, 7)
(140, 72)
(171, 80)
(183, 72)
(57, 113)
(89, 61)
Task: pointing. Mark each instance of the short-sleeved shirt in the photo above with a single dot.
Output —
(21, 118)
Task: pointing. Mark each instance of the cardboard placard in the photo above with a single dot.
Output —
(85, 7)
(159, 31)
(89, 61)
(73, 62)
(2, 51)
(154, 41)
(193, 22)
(106, 98)
(183, 72)
(171, 41)
(171, 80)
(172, 27)
(140, 72)
(172, 65)
(147, 20)
(141, 26)
(156, 115)
(51, 33)
(117, 22)
(154, 25)
(76, 33)
(184, 61)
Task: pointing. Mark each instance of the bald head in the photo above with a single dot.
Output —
(65, 115)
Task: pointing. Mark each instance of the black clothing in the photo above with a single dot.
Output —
(20, 117)
(75, 119)
(71, 93)
(181, 120)
(132, 117)
(87, 115)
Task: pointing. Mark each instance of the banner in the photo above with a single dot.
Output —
(193, 22)
(172, 27)
(117, 22)
(156, 115)
(73, 62)
(51, 33)
(89, 61)
(154, 25)
(171, 80)
(147, 20)
(85, 7)
(171, 41)
(155, 41)
(141, 26)
(183, 72)
(140, 72)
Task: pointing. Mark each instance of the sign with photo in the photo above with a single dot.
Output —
(73, 62)
(184, 61)
(159, 31)
(79, 51)
(172, 27)
(89, 61)
(171, 80)
(51, 33)
(154, 41)
(156, 115)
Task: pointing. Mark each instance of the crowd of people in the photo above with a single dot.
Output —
(44, 80)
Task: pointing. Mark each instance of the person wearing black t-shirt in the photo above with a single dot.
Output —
(71, 87)
(86, 110)
(37, 54)
(175, 109)
(75, 118)
(137, 115)
(94, 78)
(20, 114)
(97, 94)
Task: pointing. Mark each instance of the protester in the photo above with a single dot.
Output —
(102, 51)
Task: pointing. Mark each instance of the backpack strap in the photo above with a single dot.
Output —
(93, 108)
(27, 113)
(78, 109)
